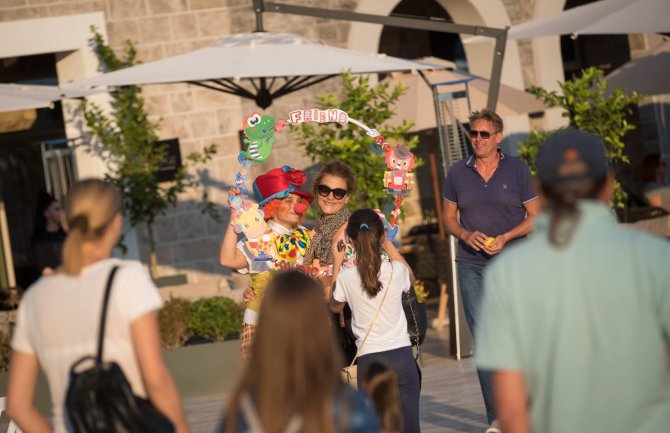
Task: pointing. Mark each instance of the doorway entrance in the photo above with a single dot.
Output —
(28, 139)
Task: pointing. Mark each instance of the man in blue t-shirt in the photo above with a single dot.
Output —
(494, 196)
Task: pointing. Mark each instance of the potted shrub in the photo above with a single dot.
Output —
(201, 369)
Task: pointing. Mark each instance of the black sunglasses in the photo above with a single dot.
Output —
(484, 134)
(338, 193)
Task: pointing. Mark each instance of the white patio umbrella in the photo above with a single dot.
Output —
(417, 104)
(15, 97)
(271, 64)
(648, 74)
(597, 18)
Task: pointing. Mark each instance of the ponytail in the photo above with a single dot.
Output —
(366, 230)
(368, 248)
(73, 259)
(90, 207)
(562, 203)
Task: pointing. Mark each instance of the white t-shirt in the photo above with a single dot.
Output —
(59, 317)
(390, 330)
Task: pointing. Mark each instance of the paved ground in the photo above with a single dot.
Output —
(450, 398)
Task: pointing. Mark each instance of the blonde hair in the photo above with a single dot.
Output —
(295, 362)
(90, 206)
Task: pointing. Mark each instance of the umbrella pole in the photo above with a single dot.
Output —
(259, 7)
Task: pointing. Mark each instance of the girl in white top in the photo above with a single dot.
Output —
(59, 316)
(377, 285)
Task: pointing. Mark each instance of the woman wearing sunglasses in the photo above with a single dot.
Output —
(333, 187)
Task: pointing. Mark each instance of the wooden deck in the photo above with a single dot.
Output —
(450, 398)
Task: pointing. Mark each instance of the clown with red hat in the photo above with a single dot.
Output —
(282, 204)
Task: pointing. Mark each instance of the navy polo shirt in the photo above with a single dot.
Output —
(494, 207)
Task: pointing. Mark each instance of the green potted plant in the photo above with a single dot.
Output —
(588, 107)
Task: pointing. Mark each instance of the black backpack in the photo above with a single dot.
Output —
(100, 399)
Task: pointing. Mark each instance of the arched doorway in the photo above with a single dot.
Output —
(413, 43)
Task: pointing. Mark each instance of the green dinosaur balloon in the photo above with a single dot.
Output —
(260, 133)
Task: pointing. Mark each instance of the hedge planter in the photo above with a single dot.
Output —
(205, 369)
(200, 370)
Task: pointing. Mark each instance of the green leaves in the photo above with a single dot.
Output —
(128, 145)
(216, 319)
(372, 105)
(588, 108)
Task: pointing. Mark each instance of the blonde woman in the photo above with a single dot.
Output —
(59, 316)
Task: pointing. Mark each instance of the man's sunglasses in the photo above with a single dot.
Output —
(484, 134)
(338, 193)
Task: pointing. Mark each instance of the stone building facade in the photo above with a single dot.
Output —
(188, 242)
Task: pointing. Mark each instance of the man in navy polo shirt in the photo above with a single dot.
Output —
(494, 196)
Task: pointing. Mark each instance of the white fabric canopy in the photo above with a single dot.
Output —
(271, 65)
(253, 55)
(15, 97)
(647, 75)
(598, 18)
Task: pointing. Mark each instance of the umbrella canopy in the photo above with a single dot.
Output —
(648, 74)
(271, 64)
(417, 103)
(598, 18)
(15, 97)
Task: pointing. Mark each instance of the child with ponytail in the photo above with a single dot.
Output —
(374, 289)
(381, 385)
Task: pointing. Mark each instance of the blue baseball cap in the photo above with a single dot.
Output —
(571, 155)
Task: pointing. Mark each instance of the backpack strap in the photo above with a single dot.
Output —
(103, 314)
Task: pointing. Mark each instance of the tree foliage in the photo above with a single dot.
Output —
(373, 106)
(587, 107)
(127, 143)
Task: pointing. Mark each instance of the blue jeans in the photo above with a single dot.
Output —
(471, 283)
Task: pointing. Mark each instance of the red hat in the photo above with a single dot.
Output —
(279, 183)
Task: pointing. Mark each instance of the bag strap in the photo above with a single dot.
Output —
(416, 322)
(388, 285)
(103, 314)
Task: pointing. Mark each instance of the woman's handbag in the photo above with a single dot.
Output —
(417, 324)
(350, 373)
(415, 312)
(100, 399)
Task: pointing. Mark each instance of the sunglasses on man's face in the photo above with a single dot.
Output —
(484, 134)
(338, 193)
